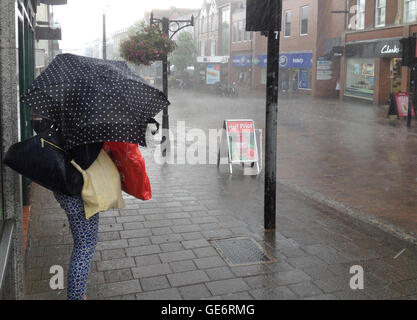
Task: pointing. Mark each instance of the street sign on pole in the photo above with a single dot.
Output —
(265, 15)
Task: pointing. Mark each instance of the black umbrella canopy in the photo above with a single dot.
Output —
(94, 100)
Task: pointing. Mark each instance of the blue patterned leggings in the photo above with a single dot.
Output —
(85, 235)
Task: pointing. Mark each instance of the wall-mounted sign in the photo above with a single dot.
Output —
(388, 48)
(324, 69)
(293, 60)
(213, 59)
(213, 74)
(242, 61)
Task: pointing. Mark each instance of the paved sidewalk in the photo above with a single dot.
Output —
(160, 249)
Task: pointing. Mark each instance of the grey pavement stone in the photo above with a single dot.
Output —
(205, 252)
(161, 231)
(290, 277)
(166, 238)
(118, 275)
(171, 246)
(219, 273)
(164, 294)
(176, 256)
(151, 259)
(154, 283)
(142, 250)
(182, 266)
(136, 233)
(187, 278)
(277, 293)
(113, 254)
(118, 288)
(305, 289)
(238, 296)
(114, 264)
(186, 228)
(112, 244)
(132, 226)
(194, 292)
(222, 287)
(209, 262)
(137, 242)
(191, 235)
(151, 270)
(192, 244)
(330, 285)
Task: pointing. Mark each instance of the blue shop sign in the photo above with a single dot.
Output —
(295, 60)
(242, 61)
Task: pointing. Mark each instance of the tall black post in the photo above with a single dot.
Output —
(165, 117)
(104, 38)
(271, 130)
(411, 95)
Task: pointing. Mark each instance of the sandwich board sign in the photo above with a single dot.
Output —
(241, 143)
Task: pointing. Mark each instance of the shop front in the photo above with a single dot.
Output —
(242, 70)
(373, 70)
(295, 70)
(213, 70)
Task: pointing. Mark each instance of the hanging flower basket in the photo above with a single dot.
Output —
(148, 45)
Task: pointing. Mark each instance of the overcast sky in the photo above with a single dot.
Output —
(81, 20)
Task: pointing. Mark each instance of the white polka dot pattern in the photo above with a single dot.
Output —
(94, 100)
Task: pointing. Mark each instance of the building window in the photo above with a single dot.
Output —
(225, 32)
(304, 20)
(240, 31)
(410, 10)
(287, 24)
(361, 15)
(234, 36)
(203, 47)
(213, 47)
(380, 7)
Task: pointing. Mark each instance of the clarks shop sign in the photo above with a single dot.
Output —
(390, 48)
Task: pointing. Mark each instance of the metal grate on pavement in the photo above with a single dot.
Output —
(242, 251)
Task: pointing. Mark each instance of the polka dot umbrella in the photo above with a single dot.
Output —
(94, 100)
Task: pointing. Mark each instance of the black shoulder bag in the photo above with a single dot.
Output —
(43, 160)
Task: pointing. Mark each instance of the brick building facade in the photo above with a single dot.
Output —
(371, 66)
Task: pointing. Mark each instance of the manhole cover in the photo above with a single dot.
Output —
(241, 251)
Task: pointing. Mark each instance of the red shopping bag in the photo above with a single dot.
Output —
(131, 166)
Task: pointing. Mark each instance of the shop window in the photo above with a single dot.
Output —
(225, 32)
(305, 79)
(304, 20)
(213, 47)
(360, 78)
(203, 48)
(410, 10)
(380, 8)
(287, 24)
(240, 31)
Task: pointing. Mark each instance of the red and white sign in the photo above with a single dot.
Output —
(401, 100)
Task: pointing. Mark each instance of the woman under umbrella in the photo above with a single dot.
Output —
(92, 101)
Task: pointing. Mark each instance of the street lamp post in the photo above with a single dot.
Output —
(166, 30)
(104, 37)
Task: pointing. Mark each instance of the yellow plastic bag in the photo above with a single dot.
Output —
(102, 187)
